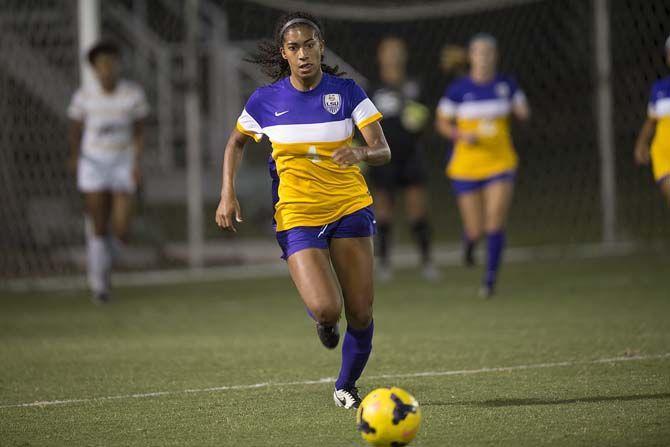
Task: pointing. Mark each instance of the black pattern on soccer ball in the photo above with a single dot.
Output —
(401, 409)
(363, 426)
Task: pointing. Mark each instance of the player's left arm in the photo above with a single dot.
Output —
(376, 152)
(520, 107)
(138, 148)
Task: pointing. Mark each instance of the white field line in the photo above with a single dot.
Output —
(462, 372)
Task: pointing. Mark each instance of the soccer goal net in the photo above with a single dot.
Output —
(586, 67)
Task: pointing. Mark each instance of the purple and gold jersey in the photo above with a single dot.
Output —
(305, 128)
(483, 110)
(659, 109)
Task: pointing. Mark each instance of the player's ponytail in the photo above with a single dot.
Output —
(269, 52)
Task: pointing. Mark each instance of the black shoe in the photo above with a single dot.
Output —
(329, 335)
(100, 298)
(347, 398)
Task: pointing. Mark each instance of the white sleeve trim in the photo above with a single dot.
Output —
(364, 110)
(651, 110)
(446, 107)
(76, 110)
(519, 98)
(248, 123)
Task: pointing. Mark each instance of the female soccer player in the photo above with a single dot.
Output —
(323, 216)
(474, 114)
(657, 124)
(405, 118)
(106, 139)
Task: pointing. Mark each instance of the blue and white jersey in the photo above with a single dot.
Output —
(482, 110)
(305, 128)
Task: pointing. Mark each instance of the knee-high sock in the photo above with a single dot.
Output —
(421, 231)
(495, 246)
(383, 240)
(356, 350)
(99, 263)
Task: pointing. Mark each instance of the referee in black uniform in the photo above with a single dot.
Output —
(396, 96)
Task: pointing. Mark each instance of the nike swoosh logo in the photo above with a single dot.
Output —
(281, 113)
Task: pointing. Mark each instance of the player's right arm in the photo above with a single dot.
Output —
(642, 142)
(75, 131)
(445, 118)
(228, 210)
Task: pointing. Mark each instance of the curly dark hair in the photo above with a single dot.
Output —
(103, 47)
(269, 51)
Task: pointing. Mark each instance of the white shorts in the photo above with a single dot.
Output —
(115, 175)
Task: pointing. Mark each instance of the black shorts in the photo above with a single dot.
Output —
(405, 169)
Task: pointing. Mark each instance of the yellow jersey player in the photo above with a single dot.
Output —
(658, 125)
(323, 215)
(474, 113)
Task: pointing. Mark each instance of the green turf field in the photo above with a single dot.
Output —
(558, 319)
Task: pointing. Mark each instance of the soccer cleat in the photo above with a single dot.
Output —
(430, 272)
(329, 335)
(100, 298)
(384, 273)
(486, 291)
(347, 398)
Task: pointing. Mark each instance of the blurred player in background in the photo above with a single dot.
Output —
(658, 125)
(106, 137)
(323, 216)
(397, 97)
(474, 113)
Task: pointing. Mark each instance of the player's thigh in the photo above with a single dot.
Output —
(98, 208)
(354, 264)
(315, 280)
(122, 211)
(415, 202)
(471, 207)
(497, 200)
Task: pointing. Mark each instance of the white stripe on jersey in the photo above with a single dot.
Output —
(310, 133)
(659, 109)
(487, 109)
(446, 107)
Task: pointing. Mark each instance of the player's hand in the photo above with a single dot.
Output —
(468, 137)
(228, 209)
(348, 156)
(642, 154)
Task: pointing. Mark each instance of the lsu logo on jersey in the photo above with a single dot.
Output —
(332, 102)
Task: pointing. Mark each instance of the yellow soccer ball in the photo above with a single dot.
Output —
(388, 417)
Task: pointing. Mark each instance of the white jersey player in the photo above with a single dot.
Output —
(106, 143)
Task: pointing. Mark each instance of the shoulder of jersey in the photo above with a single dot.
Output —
(663, 83)
(128, 86)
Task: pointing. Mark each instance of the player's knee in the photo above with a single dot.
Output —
(327, 315)
(474, 234)
(360, 318)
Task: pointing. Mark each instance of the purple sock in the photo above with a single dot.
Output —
(356, 350)
(495, 245)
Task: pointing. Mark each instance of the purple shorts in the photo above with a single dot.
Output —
(465, 186)
(360, 223)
